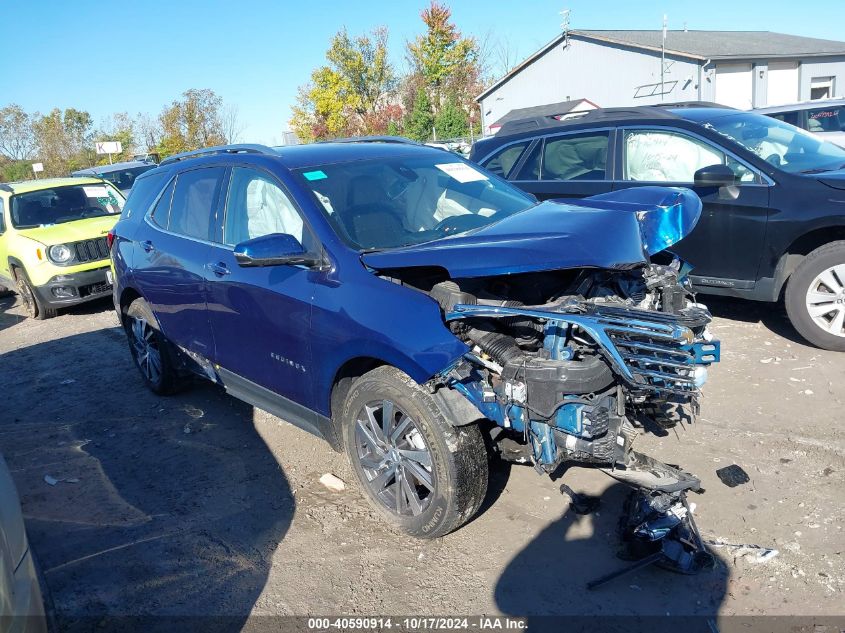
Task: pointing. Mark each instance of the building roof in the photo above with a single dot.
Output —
(698, 45)
(551, 109)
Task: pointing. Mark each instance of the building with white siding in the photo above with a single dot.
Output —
(742, 69)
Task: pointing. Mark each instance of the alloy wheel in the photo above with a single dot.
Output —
(147, 353)
(825, 300)
(394, 457)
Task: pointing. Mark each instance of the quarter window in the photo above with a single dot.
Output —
(502, 162)
(577, 157)
(258, 206)
(143, 194)
(530, 169)
(657, 156)
(194, 198)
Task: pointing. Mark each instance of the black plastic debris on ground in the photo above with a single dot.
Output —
(732, 476)
(580, 503)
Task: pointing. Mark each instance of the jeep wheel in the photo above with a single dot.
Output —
(815, 297)
(424, 475)
(151, 352)
(34, 306)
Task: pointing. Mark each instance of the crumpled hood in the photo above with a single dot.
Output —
(614, 230)
(66, 232)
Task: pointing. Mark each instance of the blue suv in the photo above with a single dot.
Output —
(417, 312)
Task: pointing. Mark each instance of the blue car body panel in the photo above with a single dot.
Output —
(291, 329)
(615, 230)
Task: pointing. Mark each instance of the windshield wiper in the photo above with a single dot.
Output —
(819, 170)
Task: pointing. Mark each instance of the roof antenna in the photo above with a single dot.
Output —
(565, 26)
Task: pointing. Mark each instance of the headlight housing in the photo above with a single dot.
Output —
(60, 253)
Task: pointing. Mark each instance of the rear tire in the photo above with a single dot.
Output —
(153, 354)
(423, 475)
(815, 297)
(34, 306)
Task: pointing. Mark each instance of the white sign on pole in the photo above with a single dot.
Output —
(108, 147)
(36, 167)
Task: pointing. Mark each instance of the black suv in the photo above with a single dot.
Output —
(773, 223)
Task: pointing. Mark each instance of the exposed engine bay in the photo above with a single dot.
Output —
(574, 364)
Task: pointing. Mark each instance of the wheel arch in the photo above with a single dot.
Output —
(799, 249)
(127, 296)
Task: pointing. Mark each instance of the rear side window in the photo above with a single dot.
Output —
(502, 162)
(143, 194)
(194, 199)
(830, 119)
(577, 157)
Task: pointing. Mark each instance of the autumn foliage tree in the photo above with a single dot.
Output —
(352, 93)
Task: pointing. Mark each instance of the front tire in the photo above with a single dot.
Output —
(421, 473)
(35, 308)
(152, 352)
(815, 297)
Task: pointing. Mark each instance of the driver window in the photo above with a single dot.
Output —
(663, 156)
(2, 217)
(257, 206)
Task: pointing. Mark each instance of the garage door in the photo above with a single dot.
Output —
(734, 86)
(782, 83)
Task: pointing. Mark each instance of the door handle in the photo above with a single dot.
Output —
(148, 246)
(218, 269)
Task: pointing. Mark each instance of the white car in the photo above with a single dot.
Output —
(823, 117)
(21, 604)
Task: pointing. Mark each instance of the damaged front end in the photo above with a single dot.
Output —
(573, 363)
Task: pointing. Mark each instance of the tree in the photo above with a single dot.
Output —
(191, 123)
(452, 121)
(351, 94)
(17, 140)
(64, 140)
(441, 55)
(232, 126)
(419, 123)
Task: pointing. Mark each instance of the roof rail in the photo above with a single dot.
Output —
(585, 116)
(373, 139)
(694, 104)
(219, 149)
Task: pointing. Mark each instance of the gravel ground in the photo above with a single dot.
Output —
(199, 504)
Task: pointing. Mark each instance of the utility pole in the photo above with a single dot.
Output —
(663, 59)
(564, 26)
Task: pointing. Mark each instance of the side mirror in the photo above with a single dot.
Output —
(276, 249)
(714, 176)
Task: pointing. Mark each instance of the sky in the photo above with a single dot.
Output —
(119, 56)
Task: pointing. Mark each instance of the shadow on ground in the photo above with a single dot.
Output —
(160, 506)
(549, 578)
(771, 315)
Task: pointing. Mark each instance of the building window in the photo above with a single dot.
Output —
(821, 88)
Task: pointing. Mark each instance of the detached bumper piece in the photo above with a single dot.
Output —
(74, 288)
(657, 527)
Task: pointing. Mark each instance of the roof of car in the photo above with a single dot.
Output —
(25, 186)
(694, 111)
(803, 105)
(105, 169)
(315, 154)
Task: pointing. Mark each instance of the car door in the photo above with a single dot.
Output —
(572, 165)
(261, 316)
(171, 253)
(727, 243)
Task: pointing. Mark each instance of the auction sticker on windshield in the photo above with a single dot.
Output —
(461, 172)
(96, 192)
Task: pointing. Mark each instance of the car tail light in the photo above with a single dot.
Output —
(110, 238)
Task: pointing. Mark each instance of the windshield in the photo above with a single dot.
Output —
(387, 203)
(64, 204)
(123, 179)
(785, 146)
